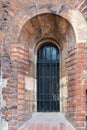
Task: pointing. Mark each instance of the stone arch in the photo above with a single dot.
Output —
(34, 33)
(25, 33)
(45, 41)
(69, 13)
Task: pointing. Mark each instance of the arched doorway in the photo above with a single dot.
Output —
(48, 78)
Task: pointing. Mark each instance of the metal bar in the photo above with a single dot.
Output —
(47, 69)
(56, 86)
(38, 80)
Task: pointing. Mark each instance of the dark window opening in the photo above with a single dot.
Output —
(48, 79)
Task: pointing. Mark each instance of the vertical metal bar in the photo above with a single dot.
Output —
(52, 90)
(57, 88)
(43, 79)
(42, 82)
(47, 81)
(39, 82)
(50, 81)
(56, 84)
(53, 86)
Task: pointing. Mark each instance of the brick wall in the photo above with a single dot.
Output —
(76, 64)
(19, 35)
(14, 6)
(20, 56)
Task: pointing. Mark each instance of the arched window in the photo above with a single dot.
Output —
(48, 78)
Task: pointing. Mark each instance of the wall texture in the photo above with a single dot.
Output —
(24, 25)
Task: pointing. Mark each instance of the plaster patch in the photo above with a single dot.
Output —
(63, 81)
(29, 83)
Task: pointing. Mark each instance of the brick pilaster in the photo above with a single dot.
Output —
(20, 57)
(76, 65)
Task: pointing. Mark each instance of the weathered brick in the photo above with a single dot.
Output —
(22, 29)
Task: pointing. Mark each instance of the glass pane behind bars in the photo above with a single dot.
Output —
(48, 79)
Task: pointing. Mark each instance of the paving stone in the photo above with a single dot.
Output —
(49, 121)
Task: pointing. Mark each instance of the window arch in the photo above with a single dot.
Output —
(48, 78)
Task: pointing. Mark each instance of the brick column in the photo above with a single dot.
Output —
(13, 83)
(23, 69)
(20, 57)
(77, 78)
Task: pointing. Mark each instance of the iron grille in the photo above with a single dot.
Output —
(48, 79)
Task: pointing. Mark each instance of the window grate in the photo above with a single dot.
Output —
(48, 79)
